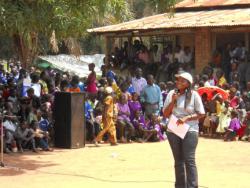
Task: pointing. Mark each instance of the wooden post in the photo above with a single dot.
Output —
(106, 49)
(120, 42)
(130, 47)
(173, 47)
(203, 48)
(247, 41)
(247, 45)
(214, 41)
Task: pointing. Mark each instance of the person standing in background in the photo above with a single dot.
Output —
(91, 81)
(151, 97)
(138, 82)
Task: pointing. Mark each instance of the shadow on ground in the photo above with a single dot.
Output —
(17, 163)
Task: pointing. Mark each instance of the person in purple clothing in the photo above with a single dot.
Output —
(154, 129)
(123, 120)
(139, 125)
(234, 126)
(134, 105)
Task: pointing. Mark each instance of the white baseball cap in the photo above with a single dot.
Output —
(186, 76)
(108, 90)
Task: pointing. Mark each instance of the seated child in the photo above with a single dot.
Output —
(134, 105)
(93, 128)
(234, 126)
(207, 125)
(47, 126)
(139, 125)
(224, 118)
(246, 135)
(41, 137)
(2, 133)
(153, 130)
(44, 123)
(24, 137)
(123, 120)
(10, 128)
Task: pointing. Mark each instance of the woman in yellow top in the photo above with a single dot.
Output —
(43, 83)
(223, 114)
(221, 80)
(114, 86)
(219, 105)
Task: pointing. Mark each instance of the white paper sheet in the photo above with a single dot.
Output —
(179, 130)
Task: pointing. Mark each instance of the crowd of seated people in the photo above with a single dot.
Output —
(134, 119)
(228, 58)
(153, 60)
(26, 102)
(26, 109)
(225, 116)
(139, 101)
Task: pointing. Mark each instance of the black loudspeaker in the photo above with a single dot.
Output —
(69, 120)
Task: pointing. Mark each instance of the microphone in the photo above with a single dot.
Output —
(176, 91)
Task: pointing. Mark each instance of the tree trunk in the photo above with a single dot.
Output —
(73, 46)
(20, 49)
(26, 52)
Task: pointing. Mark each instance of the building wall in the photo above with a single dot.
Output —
(203, 48)
(187, 40)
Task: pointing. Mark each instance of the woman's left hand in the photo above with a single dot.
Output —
(182, 120)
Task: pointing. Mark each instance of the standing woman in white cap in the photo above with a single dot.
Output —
(108, 119)
(186, 105)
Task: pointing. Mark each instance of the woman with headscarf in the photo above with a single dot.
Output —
(108, 116)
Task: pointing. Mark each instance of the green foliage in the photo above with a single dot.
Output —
(31, 19)
(161, 6)
(6, 50)
(66, 17)
(28, 20)
(142, 8)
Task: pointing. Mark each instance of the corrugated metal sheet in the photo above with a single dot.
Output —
(209, 3)
(212, 18)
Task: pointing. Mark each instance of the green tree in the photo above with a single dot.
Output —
(142, 8)
(161, 6)
(24, 20)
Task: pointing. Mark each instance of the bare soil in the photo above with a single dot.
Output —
(220, 165)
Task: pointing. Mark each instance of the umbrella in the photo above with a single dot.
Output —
(211, 91)
(45, 65)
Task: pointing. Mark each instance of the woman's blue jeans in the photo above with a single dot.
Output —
(183, 150)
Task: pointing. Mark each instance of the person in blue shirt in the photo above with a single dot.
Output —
(151, 97)
(44, 123)
(81, 86)
(3, 79)
(93, 128)
(108, 73)
(130, 89)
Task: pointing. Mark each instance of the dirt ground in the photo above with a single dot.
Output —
(220, 164)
